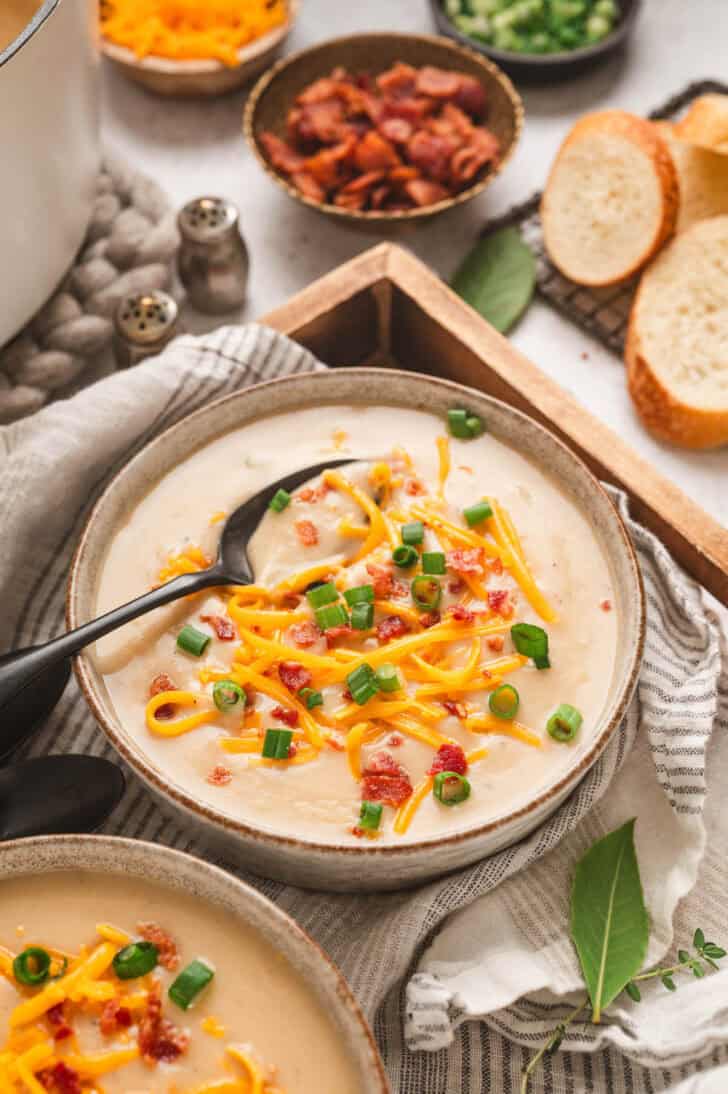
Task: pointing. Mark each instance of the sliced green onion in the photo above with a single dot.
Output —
(564, 723)
(413, 533)
(362, 616)
(475, 425)
(388, 678)
(226, 694)
(504, 702)
(370, 816)
(326, 593)
(311, 698)
(135, 960)
(362, 683)
(450, 788)
(277, 744)
(476, 514)
(457, 423)
(280, 501)
(190, 982)
(404, 556)
(360, 594)
(426, 592)
(32, 966)
(533, 642)
(331, 615)
(433, 562)
(192, 641)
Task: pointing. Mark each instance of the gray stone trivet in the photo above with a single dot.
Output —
(128, 248)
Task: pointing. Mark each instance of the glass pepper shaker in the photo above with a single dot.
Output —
(212, 260)
(143, 325)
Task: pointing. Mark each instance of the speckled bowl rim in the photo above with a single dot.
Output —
(213, 885)
(379, 216)
(184, 801)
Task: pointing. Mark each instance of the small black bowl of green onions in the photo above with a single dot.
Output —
(538, 39)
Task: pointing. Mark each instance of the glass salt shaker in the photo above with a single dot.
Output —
(213, 260)
(143, 325)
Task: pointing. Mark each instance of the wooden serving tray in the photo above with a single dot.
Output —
(385, 307)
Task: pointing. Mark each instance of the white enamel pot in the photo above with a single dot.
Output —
(49, 153)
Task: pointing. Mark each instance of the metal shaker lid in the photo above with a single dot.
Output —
(207, 219)
(146, 318)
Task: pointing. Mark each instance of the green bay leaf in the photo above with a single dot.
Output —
(497, 278)
(609, 922)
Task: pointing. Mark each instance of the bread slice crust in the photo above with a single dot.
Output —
(620, 126)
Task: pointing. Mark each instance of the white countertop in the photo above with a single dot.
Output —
(193, 148)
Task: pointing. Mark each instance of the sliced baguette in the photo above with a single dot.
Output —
(677, 341)
(611, 199)
(706, 123)
(702, 176)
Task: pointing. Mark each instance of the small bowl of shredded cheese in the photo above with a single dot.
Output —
(184, 47)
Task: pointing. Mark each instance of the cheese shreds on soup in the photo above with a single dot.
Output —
(429, 641)
(115, 984)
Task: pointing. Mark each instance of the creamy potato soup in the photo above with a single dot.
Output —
(14, 17)
(114, 985)
(429, 640)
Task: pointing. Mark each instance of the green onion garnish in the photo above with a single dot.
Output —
(331, 615)
(277, 744)
(319, 595)
(135, 960)
(450, 788)
(426, 592)
(311, 698)
(280, 501)
(362, 616)
(413, 533)
(404, 556)
(192, 641)
(370, 816)
(504, 702)
(476, 514)
(564, 723)
(433, 562)
(362, 683)
(361, 594)
(388, 678)
(464, 426)
(226, 694)
(190, 982)
(32, 966)
(533, 642)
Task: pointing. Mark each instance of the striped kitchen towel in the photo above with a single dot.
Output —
(496, 977)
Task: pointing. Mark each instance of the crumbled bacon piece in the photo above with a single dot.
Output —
(222, 626)
(423, 192)
(437, 83)
(304, 634)
(312, 494)
(461, 614)
(306, 532)
(450, 757)
(220, 775)
(400, 589)
(465, 560)
(392, 626)
(499, 601)
(429, 619)
(395, 740)
(455, 586)
(382, 579)
(495, 642)
(496, 565)
(414, 488)
(162, 682)
(61, 1079)
(385, 781)
(456, 709)
(606, 605)
(286, 715)
(57, 1018)
(294, 675)
(166, 945)
(114, 1017)
(159, 1040)
(334, 633)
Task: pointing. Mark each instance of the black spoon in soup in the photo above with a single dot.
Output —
(54, 794)
(24, 673)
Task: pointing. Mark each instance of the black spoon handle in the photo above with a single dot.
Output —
(19, 670)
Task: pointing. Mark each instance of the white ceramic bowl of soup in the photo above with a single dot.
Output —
(300, 822)
(274, 998)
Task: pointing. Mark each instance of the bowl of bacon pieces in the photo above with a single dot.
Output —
(381, 128)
